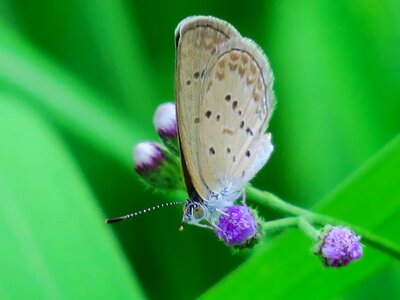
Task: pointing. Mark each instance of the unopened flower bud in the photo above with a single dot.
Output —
(166, 125)
(238, 227)
(157, 166)
(339, 246)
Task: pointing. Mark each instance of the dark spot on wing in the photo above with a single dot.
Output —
(234, 104)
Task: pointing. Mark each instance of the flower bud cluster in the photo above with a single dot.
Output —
(159, 165)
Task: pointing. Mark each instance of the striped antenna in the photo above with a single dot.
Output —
(140, 212)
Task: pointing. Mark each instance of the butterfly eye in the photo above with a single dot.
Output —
(198, 212)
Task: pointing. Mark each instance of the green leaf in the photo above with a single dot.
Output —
(336, 86)
(112, 28)
(54, 243)
(65, 100)
(279, 267)
(99, 41)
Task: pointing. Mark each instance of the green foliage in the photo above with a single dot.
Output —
(79, 82)
(287, 265)
(54, 243)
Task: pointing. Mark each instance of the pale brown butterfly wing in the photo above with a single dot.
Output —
(197, 40)
(236, 104)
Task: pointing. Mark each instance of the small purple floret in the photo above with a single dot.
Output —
(147, 156)
(340, 246)
(237, 227)
(165, 121)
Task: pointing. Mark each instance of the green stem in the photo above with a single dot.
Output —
(307, 228)
(275, 203)
(280, 224)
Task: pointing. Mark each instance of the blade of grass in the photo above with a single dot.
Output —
(117, 39)
(54, 242)
(65, 100)
(332, 62)
(98, 41)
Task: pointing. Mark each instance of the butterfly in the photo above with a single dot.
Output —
(224, 101)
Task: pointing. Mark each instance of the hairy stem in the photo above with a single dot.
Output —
(275, 203)
(307, 228)
(281, 224)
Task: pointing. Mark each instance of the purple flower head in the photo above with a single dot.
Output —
(148, 157)
(339, 246)
(237, 227)
(165, 121)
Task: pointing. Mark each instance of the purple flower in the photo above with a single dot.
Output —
(156, 166)
(147, 157)
(165, 121)
(237, 227)
(339, 246)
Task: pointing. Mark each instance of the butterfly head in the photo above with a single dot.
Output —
(194, 212)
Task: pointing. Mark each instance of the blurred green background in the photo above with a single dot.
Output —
(79, 82)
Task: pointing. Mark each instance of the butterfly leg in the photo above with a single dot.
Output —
(216, 227)
(243, 195)
(204, 226)
(221, 212)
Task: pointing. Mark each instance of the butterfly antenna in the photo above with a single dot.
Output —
(140, 212)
